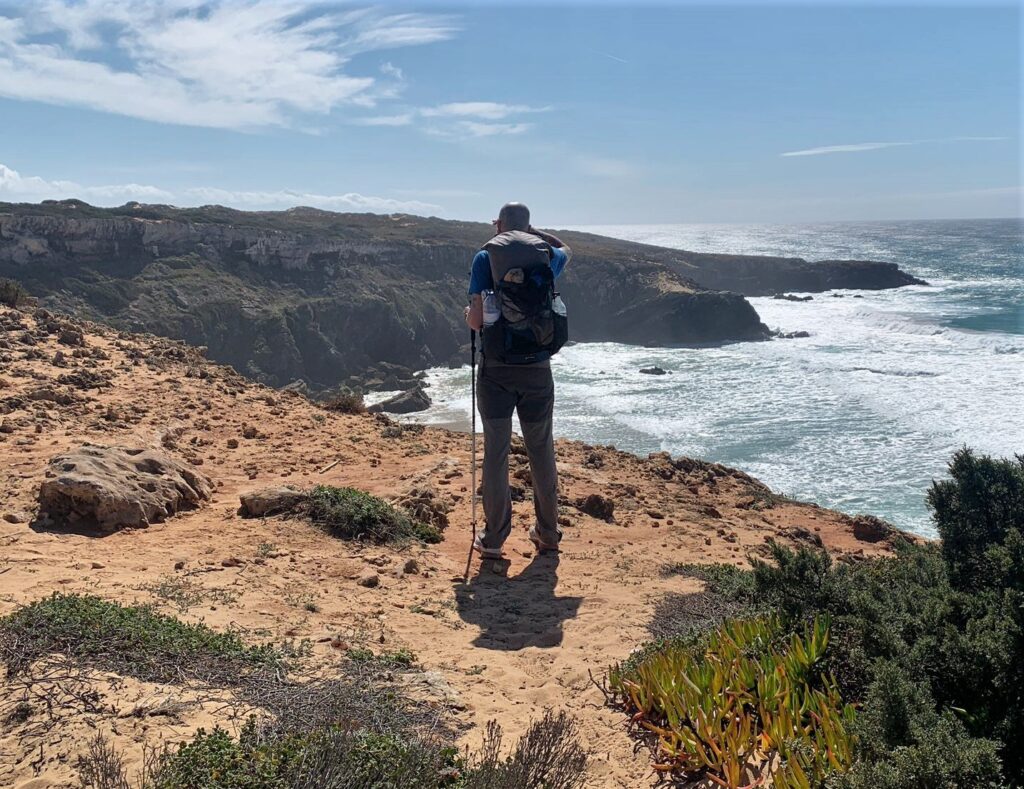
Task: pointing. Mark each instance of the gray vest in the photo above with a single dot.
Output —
(515, 249)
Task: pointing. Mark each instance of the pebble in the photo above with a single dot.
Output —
(15, 516)
(370, 580)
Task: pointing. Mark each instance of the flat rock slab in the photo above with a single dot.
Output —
(270, 501)
(118, 487)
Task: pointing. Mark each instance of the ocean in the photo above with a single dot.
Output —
(862, 415)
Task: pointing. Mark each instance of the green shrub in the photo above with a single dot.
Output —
(135, 641)
(346, 402)
(905, 743)
(980, 516)
(546, 757)
(12, 294)
(354, 515)
(331, 759)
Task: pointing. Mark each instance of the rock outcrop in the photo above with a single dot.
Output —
(116, 487)
(405, 403)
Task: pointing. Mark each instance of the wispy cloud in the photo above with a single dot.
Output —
(464, 129)
(402, 119)
(214, 63)
(874, 146)
(484, 110)
(15, 187)
(461, 120)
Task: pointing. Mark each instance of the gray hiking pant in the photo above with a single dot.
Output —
(530, 392)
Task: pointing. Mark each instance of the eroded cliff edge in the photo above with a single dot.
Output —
(318, 296)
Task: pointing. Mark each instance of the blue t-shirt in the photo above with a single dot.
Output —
(481, 279)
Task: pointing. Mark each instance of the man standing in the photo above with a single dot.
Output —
(527, 389)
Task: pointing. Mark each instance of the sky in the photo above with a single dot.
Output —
(590, 113)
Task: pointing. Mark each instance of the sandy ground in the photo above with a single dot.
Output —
(516, 639)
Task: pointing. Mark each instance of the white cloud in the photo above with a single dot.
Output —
(874, 146)
(461, 120)
(391, 70)
(403, 119)
(485, 110)
(860, 146)
(15, 187)
(219, 63)
(463, 130)
(284, 198)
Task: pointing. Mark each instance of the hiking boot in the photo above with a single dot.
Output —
(540, 544)
(485, 553)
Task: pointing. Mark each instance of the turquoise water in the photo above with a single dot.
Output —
(860, 416)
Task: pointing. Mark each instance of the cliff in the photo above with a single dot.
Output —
(318, 296)
(760, 275)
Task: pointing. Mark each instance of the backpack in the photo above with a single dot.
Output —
(532, 324)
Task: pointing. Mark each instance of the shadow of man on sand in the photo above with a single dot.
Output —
(518, 612)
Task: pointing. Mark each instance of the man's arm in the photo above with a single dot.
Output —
(554, 240)
(475, 312)
(479, 281)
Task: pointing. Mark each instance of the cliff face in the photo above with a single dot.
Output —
(766, 276)
(757, 275)
(316, 296)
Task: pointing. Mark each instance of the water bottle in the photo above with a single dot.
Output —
(491, 310)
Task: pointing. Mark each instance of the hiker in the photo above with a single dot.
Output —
(519, 265)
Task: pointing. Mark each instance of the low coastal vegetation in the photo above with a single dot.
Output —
(342, 757)
(351, 514)
(345, 401)
(12, 293)
(357, 730)
(891, 673)
(134, 641)
(743, 695)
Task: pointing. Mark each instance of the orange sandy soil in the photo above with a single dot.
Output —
(508, 644)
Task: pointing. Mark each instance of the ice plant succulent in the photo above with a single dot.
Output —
(745, 707)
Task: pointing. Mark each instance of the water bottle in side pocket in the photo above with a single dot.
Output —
(491, 309)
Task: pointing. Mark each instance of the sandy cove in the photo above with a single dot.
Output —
(502, 646)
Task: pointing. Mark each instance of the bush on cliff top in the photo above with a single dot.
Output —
(345, 403)
(355, 515)
(12, 294)
(929, 642)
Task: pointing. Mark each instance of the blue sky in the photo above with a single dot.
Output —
(590, 113)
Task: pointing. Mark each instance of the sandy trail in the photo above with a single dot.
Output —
(506, 645)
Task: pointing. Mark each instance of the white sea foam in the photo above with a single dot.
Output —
(861, 415)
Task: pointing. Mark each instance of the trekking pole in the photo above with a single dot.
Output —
(472, 467)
